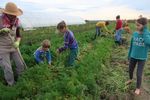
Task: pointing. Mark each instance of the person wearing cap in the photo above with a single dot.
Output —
(138, 52)
(9, 42)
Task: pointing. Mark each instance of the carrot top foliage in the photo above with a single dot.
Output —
(92, 78)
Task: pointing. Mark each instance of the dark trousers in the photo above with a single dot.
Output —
(140, 68)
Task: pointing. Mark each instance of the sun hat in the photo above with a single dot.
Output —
(12, 9)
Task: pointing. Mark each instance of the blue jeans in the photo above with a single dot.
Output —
(118, 36)
(98, 32)
(72, 56)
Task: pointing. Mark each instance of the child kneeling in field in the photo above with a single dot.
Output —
(140, 43)
(43, 54)
(69, 42)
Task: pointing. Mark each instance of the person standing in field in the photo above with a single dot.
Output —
(69, 43)
(42, 53)
(118, 30)
(9, 42)
(99, 26)
(138, 52)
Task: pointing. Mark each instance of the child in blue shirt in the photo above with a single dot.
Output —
(69, 43)
(42, 53)
(140, 43)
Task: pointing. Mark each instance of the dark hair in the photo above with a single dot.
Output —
(142, 21)
(118, 17)
(106, 22)
(61, 25)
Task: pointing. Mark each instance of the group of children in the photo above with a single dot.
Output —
(43, 54)
(139, 46)
(70, 42)
(101, 27)
(138, 51)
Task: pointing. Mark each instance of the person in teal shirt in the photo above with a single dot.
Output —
(139, 47)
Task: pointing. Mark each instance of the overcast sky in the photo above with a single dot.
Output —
(87, 9)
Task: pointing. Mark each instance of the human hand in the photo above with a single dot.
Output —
(57, 51)
(16, 44)
(4, 30)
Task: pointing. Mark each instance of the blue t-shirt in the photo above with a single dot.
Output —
(40, 55)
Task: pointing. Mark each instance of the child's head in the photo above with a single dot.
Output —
(62, 27)
(141, 23)
(46, 45)
(107, 23)
(118, 17)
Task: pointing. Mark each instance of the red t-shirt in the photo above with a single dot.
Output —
(118, 24)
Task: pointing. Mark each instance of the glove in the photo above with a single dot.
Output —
(4, 30)
(16, 44)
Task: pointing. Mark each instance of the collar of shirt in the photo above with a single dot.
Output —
(41, 50)
(7, 23)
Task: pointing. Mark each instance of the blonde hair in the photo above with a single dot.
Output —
(46, 43)
(61, 25)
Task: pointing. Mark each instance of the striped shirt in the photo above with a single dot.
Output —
(69, 41)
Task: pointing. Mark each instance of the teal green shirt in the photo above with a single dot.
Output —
(140, 44)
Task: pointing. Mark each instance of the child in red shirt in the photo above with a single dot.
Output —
(118, 34)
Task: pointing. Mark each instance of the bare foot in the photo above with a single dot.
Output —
(128, 82)
(137, 91)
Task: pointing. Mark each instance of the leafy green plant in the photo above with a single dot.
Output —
(92, 78)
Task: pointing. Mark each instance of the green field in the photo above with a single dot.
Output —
(99, 75)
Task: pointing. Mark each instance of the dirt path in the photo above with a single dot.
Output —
(120, 59)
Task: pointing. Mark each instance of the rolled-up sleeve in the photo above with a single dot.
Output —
(18, 35)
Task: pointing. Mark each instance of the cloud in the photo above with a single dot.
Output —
(110, 13)
(32, 1)
(88, 9)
